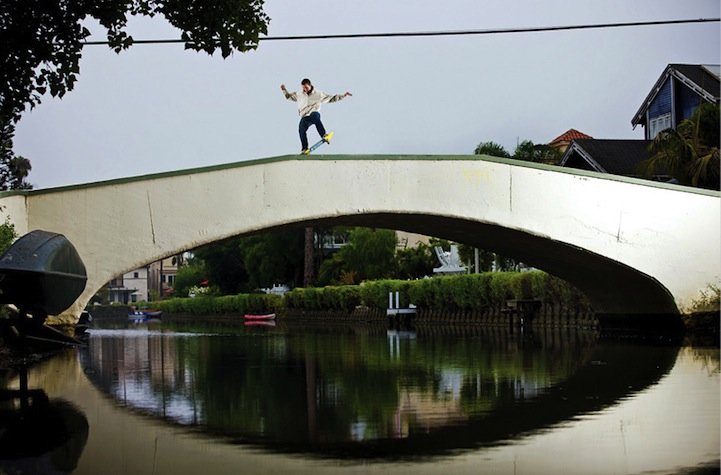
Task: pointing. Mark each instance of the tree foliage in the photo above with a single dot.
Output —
(188, 276)
(224, 265)
(689, 153)
(14, 169)
(41, 41)
(273, 258)
(369, 254)
(493, 149)
(416, 262)
(540, 153)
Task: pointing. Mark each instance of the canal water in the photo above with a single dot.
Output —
(219, 397)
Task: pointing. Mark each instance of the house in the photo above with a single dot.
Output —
(563, 141)
(676, 94)
(129, 287)
(161, 275)
(144, 283)
(618, 157)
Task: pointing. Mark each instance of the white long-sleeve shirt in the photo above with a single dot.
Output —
(309, 103)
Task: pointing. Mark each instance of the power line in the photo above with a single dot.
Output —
(493, 31)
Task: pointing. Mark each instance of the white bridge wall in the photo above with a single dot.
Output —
(671, 234)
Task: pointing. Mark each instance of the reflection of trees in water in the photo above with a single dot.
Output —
(367, 392)
(333, 386)
(710, 358)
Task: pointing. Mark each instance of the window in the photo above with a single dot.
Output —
(657, 124)
(136, 275)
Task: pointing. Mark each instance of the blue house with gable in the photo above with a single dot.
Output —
(677, 93)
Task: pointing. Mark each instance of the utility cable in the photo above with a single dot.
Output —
(492, 31)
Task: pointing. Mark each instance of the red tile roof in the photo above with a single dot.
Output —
(570, 134)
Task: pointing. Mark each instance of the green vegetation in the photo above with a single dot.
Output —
(480, 293)
(689, 153)
(369, 254)
(526, 151)
(223, 305)
(7, 235)
(42, 42)
(708, 301)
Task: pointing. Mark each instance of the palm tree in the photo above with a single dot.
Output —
(19, 168)
(690, 153)
(493, 149)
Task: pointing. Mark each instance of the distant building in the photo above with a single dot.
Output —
(161, 278)
(562, 142)
(676, 94)
(617, 157)
(129, 287)
(141, 285)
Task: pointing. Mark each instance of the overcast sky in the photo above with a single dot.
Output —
(157, 108)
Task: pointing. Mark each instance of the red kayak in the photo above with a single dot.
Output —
(264, 317)
(259, 323)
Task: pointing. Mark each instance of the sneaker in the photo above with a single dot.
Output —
(305, 151)
(327, 137)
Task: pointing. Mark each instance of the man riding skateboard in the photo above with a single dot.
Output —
(309, 100)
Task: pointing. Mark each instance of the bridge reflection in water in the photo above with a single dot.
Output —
(220, 398)
(368, 392)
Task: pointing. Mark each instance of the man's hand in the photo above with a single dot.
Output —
(347, 94)
(282, 88)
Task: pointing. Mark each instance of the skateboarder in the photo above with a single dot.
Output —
(309, 100)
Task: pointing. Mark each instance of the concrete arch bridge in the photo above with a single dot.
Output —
(633, 247)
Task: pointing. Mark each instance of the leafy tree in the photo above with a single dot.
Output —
(189, 275)
(14, 169)
(690, 153)
(493, 149)
(41, 41)
(485, 258)
(530, 152)
(7, 235)
(224, 264)
(416, 262)
(274, 257)
(369, 254)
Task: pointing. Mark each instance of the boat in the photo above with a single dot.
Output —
(143, 315)
(259, 323)
(260, 317)
(41, 274)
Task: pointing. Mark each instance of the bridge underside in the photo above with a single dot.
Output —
(611, 287)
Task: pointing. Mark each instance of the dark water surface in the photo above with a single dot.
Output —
(308, 398)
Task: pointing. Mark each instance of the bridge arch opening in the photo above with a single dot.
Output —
(612, 287)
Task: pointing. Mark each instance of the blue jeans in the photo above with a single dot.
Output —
(307, 121)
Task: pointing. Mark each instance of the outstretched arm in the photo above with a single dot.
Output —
(334, 98)
(291, 96)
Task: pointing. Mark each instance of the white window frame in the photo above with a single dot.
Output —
(657, 124)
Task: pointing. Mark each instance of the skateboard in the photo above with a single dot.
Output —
(329, 136)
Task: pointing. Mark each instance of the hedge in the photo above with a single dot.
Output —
(469, 292)
(227, 304)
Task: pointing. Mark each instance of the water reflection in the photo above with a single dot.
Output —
(37, 434)
(367, 392)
